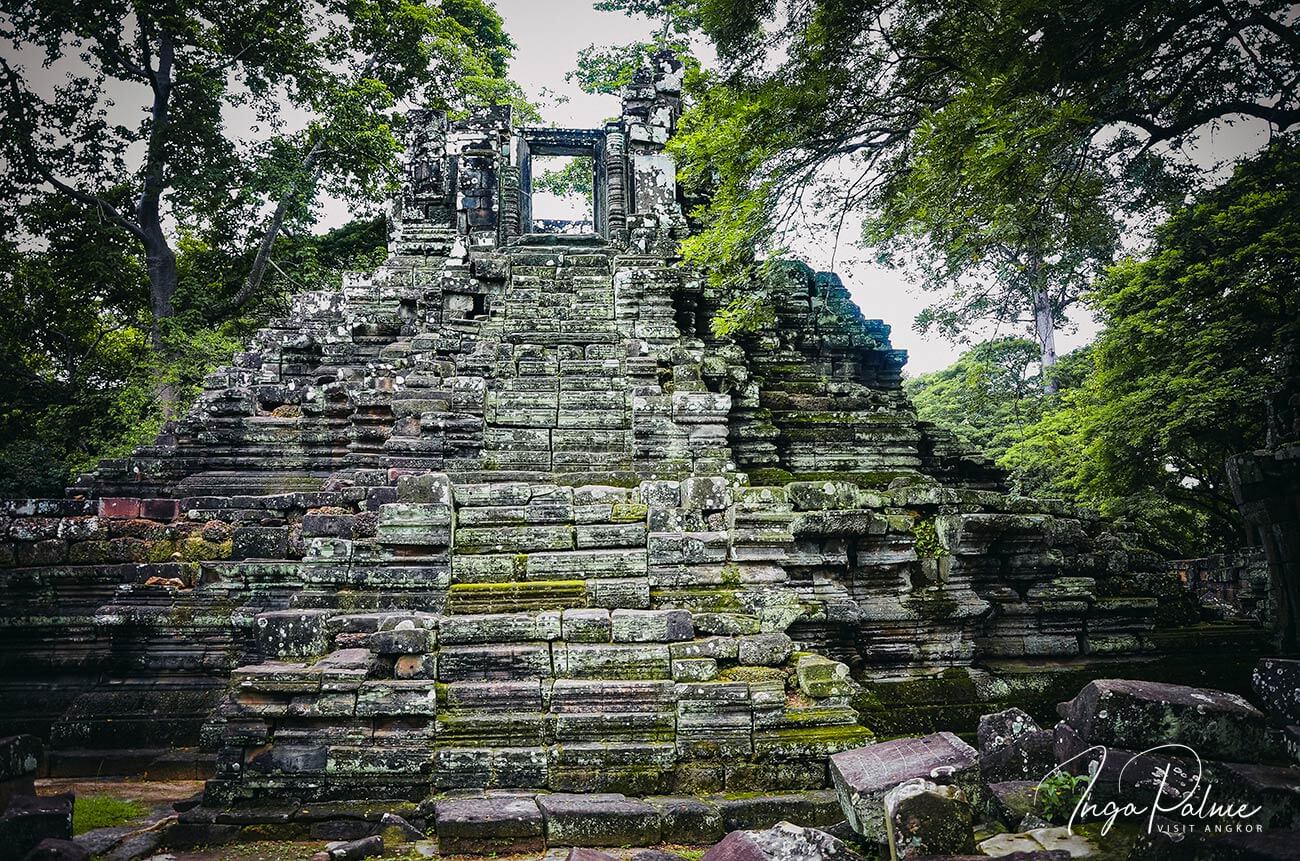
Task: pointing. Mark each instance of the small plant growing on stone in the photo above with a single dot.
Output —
(1059, 794)
(928, 545)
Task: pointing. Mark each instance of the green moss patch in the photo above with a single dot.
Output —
(103, 811)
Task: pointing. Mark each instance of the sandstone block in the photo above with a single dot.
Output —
(781, 842)
(691, 821)
(863, 776)
(650, 626)
(403, 641)
(584, 625)
(821, 677)
(764, 650)
(599, 820)
(292, 633)
(492, 824)
(694, 669)
(923, 818)
(1136, 715)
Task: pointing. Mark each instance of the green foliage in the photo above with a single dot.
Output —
(988, 397)
(78, 380)
(927, 543)
(1192, 348)
(1058, 795)
(572, 180)
(995, 148)
(1179, 379)
(103, 811)
(744, 314)
(609, 68)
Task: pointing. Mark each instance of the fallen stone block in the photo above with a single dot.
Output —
(1013, 747)
(862, 776)
(395, 830)
(1137, 715)
(821, 677)
(29, 819)
(1055, 840)
(604, 819)
(1001, 728)
(494, 824)
(20, 756)
(352, 850)
(782, 842)
(53, 849)
(577, 854)
(923, 818)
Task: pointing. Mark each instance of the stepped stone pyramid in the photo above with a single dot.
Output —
(503, 513)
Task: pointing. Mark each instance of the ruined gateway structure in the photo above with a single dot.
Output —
(504, 514)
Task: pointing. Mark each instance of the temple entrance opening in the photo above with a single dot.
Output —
(563, 196)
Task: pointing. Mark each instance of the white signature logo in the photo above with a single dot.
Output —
(1188, 798)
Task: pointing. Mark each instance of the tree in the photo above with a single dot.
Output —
(193, 63)
(960, 129)
(987, 397)
(608, 69)
(1020, 253)
(77, 375)
(1193, 346)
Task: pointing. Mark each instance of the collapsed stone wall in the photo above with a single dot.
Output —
(502, 514)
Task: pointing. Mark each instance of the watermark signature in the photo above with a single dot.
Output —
(1181, 798)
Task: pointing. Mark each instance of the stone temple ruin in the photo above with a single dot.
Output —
(504, 514)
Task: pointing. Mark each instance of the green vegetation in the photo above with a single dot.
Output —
(103, 811)
(1195, 339)
(142, 239)
(996, 152)
(1059, 794)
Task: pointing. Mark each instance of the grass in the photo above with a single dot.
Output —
(103, 811)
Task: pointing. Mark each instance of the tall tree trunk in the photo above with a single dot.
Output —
(159, 256)
(1045, 330)
(311, 168)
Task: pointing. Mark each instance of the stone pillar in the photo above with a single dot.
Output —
(615, 182)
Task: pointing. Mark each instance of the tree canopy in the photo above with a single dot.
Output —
(1193, 345)
(1002, 146)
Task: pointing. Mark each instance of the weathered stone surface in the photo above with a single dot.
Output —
(30, 819)
(1136, 715)
(53, 849)
(782, 842)
(292, 633)
(764, 650)
(689, 821)
(494, 824)
(1040, 840)
(923, 818)
(1013, 747)
(863, 776)
(598, 820)
(1276, 682)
